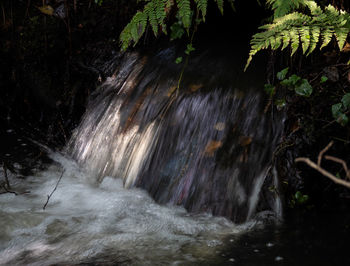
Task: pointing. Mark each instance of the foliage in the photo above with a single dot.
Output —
(282, 7)
(340, 110)
(301, 86)
(153, 13)
(270, 89)
(299, 29)
(156, 12)
(298, 199)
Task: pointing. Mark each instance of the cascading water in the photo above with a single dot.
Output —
(206, 146)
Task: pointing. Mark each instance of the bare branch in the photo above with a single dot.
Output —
(7, 190)
(323, 171)
(319, 159)
(340, 161)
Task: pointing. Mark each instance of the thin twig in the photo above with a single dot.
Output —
(342, 140)
(319, 159)
(7, 190)
(49, 196)
(323, 172)
(340, 161)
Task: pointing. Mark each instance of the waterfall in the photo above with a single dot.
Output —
(207, 146)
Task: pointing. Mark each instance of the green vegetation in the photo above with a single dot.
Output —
(157, 12)
(340, 110)
(314, 27)
(298, 199)
(301, 86)
(295, 24)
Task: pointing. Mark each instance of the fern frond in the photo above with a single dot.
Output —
(305, 31)
(326, 37)
(314, 33)
(283, 7)
(202, 7)
(134, 30)
(341, 36)
(232, 4)
(154, 13)
(160, 13)
(220, 4)
(185, 13)
(150, 11)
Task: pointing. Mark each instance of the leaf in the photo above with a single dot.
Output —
(346, 100)
(189, 49)
(337, 110)
(178, 60)
(280, 104)
(282, 7)
(298, 195)
(195, 87)
(304, 88)
(301, 199)
(343, 119)
(46, 9)
(220, 4)
(323, 79)
(282, 74)
(177, 31)
(202, 7)
(291, 81)
(211, 147)
(269, 89)
(185, 12)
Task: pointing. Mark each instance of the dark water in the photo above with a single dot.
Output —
(314, 238)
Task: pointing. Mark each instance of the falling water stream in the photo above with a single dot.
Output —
(153, 175)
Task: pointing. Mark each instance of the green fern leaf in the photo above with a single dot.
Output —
(294, 37)
(283, 7)
(202, 7)
(341, 36)
(285, 40)
(152, 16)
(314, 8)
(220, 4)
(185, 13)
(314, 33)
(232, 4)
(304, 31)
(326, 37)
(305, 38)
(160, 13)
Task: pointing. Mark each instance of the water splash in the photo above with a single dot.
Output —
(107, 224)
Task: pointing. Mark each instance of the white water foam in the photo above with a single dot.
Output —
(84, 222)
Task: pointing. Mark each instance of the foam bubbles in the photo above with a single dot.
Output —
(84, 221)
